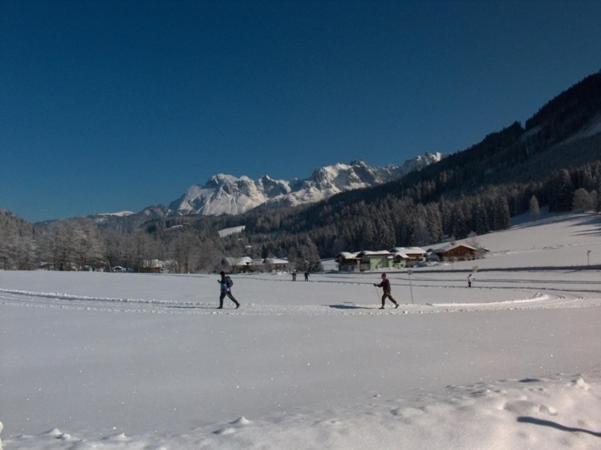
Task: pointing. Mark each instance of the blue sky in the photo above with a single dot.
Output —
(106, 106)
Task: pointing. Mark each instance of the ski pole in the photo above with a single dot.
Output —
(377, 292)
(410, 286)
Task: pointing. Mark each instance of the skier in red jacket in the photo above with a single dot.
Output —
(385, 285)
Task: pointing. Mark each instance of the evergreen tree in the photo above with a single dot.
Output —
(560, 192)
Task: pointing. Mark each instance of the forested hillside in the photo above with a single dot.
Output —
(475, 190)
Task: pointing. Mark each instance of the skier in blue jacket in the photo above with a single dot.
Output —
(226, 284)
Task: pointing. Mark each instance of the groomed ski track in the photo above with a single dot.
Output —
(538, 296)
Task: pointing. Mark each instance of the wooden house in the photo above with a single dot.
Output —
(348, 262)
(376, 260)
(368, 260)
(407, 256)
(276, 264)
(247, 264)
(458, 252)
(238, 265)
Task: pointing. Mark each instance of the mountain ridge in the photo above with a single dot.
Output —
(228, 194)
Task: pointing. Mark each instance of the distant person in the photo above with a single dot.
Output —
(226, 284)
(294, 275)
(385, 285)
(307, 275)
(469, 280)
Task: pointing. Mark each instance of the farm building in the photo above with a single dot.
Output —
(348, 262)
(375, 260)
(369, 260)
(247, 264)
(458, 252)
(407, 256)
(238, 265)
(276, 264)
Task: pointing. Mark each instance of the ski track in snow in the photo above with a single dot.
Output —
(140, 305)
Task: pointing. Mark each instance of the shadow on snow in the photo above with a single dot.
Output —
(558, 426)
(350, 306)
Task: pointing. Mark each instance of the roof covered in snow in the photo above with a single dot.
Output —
(348, 255)
(454, 246)
(276, 261)
(409, 250)
(375, 253)
(235, 261)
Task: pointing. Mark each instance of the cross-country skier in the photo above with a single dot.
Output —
(469, 280)
(385, 285)
(226, 284)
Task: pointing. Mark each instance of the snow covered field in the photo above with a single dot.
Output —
(93, 360)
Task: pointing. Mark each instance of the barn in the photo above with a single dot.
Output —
(458, 252)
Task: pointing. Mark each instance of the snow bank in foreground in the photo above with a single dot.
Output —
(558, 412)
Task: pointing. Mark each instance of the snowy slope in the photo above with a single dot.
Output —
(117, 214)
(227, 194)
(558, 240)
(224, 232)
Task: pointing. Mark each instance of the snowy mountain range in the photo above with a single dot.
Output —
(227, 194)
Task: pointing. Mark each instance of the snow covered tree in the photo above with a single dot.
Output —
(434, 222)
(582, 201)
(534, 208)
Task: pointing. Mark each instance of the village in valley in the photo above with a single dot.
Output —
(367, 260)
